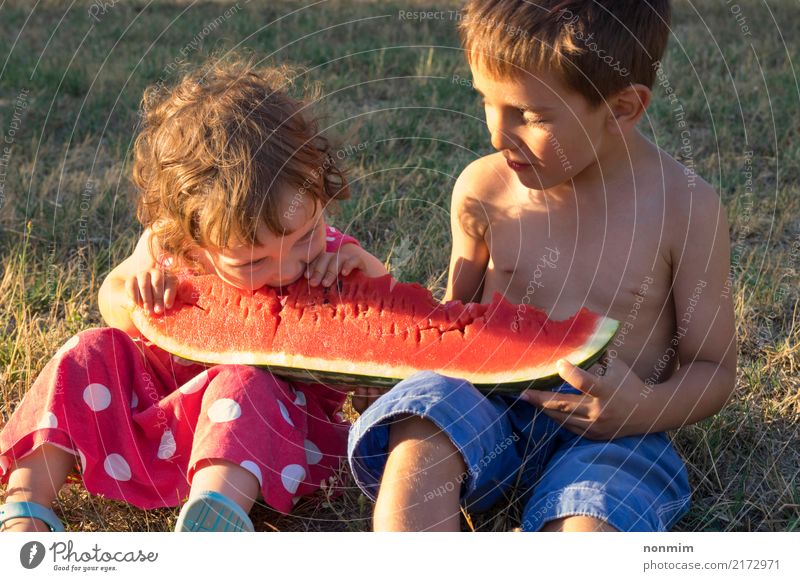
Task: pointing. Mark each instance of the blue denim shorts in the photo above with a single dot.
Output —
(512, 450)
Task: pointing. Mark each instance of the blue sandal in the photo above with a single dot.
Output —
(31, 510)
(211, 511)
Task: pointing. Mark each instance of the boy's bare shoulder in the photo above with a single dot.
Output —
(494, 162)
(485, 177)
(688, 200)
(481, 190)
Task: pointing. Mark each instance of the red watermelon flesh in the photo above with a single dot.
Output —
(372, 331)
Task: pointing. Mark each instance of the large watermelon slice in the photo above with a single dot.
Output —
(372, 332)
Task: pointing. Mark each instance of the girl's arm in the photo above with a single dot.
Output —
(136, 280)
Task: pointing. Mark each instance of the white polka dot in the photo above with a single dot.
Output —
(292, 476)
(330, 238)
(70, 344)
(313, 453)
(97, 397)
(299, 398)
(285, 413)
(195, 384)
(182, 362)
(4, 464)
(167, 447)
(224, 410)
(251, 466)
(48, 420)
(134, 400)
(116, 467)
(83, 461)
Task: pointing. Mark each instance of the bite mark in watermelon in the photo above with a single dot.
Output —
(372, 332)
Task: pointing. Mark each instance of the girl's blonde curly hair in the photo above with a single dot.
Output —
(215, 149)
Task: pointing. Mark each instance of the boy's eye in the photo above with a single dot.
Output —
(531, 119)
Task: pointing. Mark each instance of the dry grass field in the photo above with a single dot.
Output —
(70, 82)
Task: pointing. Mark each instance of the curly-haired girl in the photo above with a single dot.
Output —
(233, 177)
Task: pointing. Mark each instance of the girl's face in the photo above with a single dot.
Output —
(281, 260)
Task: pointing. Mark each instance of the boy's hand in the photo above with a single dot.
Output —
(153, 289)
(608, 408)
(363, 397)
(329, 265)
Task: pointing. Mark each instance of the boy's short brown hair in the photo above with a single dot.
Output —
(597, 47)
(214, 149)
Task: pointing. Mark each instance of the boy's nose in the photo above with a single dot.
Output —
(502, 138)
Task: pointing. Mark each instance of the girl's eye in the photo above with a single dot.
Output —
(260, 260)
(307, 236)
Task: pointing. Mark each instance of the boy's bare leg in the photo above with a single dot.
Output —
(37, 478)
(578, 524)
(227, 478)
(422, 460)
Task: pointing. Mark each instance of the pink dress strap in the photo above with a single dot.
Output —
(335, 239)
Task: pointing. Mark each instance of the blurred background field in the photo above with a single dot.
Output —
(71, 79)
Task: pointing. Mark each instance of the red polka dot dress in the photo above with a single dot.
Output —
(139, 420)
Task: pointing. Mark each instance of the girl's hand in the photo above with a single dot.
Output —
(329, 265)
(153, 289)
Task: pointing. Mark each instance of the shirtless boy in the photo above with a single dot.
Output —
(576, 209)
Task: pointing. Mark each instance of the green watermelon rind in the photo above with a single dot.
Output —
(584, 357)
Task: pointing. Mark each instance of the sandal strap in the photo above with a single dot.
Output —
(31, 510)
(213, 507)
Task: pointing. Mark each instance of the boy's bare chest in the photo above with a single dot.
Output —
(561, 263)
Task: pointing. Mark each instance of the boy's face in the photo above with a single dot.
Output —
(278, 260)
(547, 133)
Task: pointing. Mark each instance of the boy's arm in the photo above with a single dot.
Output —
(704, 318)
(469, 256)
(621, 403)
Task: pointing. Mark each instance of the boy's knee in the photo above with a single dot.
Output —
(578, 524)
(419, 437)
(409, 427)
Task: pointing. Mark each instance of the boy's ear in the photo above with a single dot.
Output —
(627, 107)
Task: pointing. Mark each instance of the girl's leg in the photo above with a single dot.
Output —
(37, 478)
(238, 484)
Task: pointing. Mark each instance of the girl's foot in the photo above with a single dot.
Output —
(210, 511)
(26, 516)
(23, 525)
